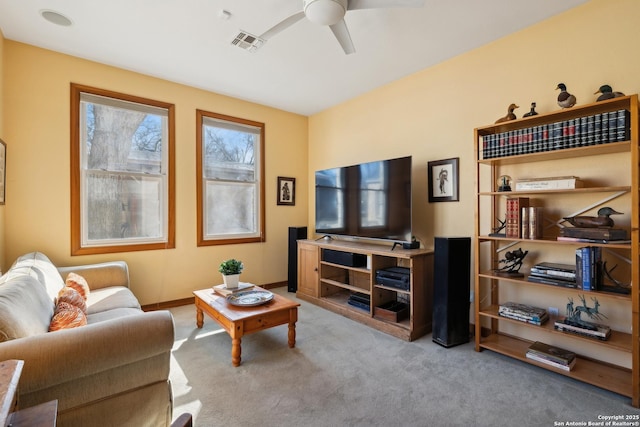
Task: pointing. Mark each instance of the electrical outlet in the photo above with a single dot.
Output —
(553, 311)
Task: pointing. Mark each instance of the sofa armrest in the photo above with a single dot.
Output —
(63, 356)
(101, 275)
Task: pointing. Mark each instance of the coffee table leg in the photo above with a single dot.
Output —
(199, 317)
(236, 350)
(293, 318)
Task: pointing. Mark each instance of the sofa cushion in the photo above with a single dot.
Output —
(69, 316)
(116, 313)
(25, 308)
(38, 266)
(105, 299)
(78, 283)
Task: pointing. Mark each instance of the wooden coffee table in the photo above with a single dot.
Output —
(240, 321)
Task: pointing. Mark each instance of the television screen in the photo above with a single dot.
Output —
(370, 200)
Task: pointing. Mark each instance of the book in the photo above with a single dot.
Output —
(540, 359)
(555, 270)
(513, 227)
(585, 240)
(550, 352)
(222, 289)
(594, 233)
(552, 281)
(587, 266)
(550, 183)
(536, 222)
(524, 218)
(556, 266)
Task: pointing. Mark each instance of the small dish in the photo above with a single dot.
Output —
(250, 298)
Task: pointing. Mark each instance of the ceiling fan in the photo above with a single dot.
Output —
(332, 12)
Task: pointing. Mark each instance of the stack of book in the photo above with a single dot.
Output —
(552, 356)
(513, 225)
(593, 235)
(524, 313)
(523, 221)
(224, 291)
(601, 128)
(551, 273)
(589, 275)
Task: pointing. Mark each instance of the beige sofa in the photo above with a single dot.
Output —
(114, 371)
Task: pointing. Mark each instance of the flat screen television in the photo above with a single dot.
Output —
(369, 200)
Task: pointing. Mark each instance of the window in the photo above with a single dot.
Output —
(230, 179)
(122, 185)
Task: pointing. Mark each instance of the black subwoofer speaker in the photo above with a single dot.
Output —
(295, 234)
(451, 281)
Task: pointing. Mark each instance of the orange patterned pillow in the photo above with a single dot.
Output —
(78, 283)
(73, 297)
(62, 306)
(67, 317)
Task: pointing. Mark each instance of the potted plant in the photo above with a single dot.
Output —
(231, 270)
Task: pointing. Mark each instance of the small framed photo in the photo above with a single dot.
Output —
(443, 180)
(286, 191)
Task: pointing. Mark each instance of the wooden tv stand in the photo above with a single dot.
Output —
(329, 285)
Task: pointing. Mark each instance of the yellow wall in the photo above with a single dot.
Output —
(36, 111)
(431, 114)
(2, 85)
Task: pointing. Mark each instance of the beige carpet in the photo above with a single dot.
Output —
(342, 373)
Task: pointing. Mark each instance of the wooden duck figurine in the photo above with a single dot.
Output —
(565, 99)
(600, 221)
(510, 115)
(607, 93)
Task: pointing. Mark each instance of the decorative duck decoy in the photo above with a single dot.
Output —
(607, 93)
(531, 112)
(565, 99)
(600, 221)
(510, 115)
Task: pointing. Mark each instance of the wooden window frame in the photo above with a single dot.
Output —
(200, 116)
(76, 214)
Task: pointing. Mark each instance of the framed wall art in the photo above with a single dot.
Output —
(443, 180)
(286, 191)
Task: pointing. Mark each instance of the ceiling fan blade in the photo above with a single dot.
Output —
(380, 4)
(341, 32)
(283, 25)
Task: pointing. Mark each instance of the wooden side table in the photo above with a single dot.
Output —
(10, 371)
(43, 415)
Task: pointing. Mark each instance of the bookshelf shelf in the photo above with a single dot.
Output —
(617, 364)
(608, 377)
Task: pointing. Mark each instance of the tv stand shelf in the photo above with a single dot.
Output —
(329, 285)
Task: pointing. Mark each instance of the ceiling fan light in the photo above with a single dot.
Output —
(325, 12)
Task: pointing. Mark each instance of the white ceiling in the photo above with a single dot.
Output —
(301, 70)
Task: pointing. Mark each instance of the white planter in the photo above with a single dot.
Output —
(231, 281)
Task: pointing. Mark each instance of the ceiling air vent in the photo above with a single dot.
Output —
(248, 41)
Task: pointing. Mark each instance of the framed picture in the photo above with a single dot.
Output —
(443, 180)
(3, 170)
(286, 191)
